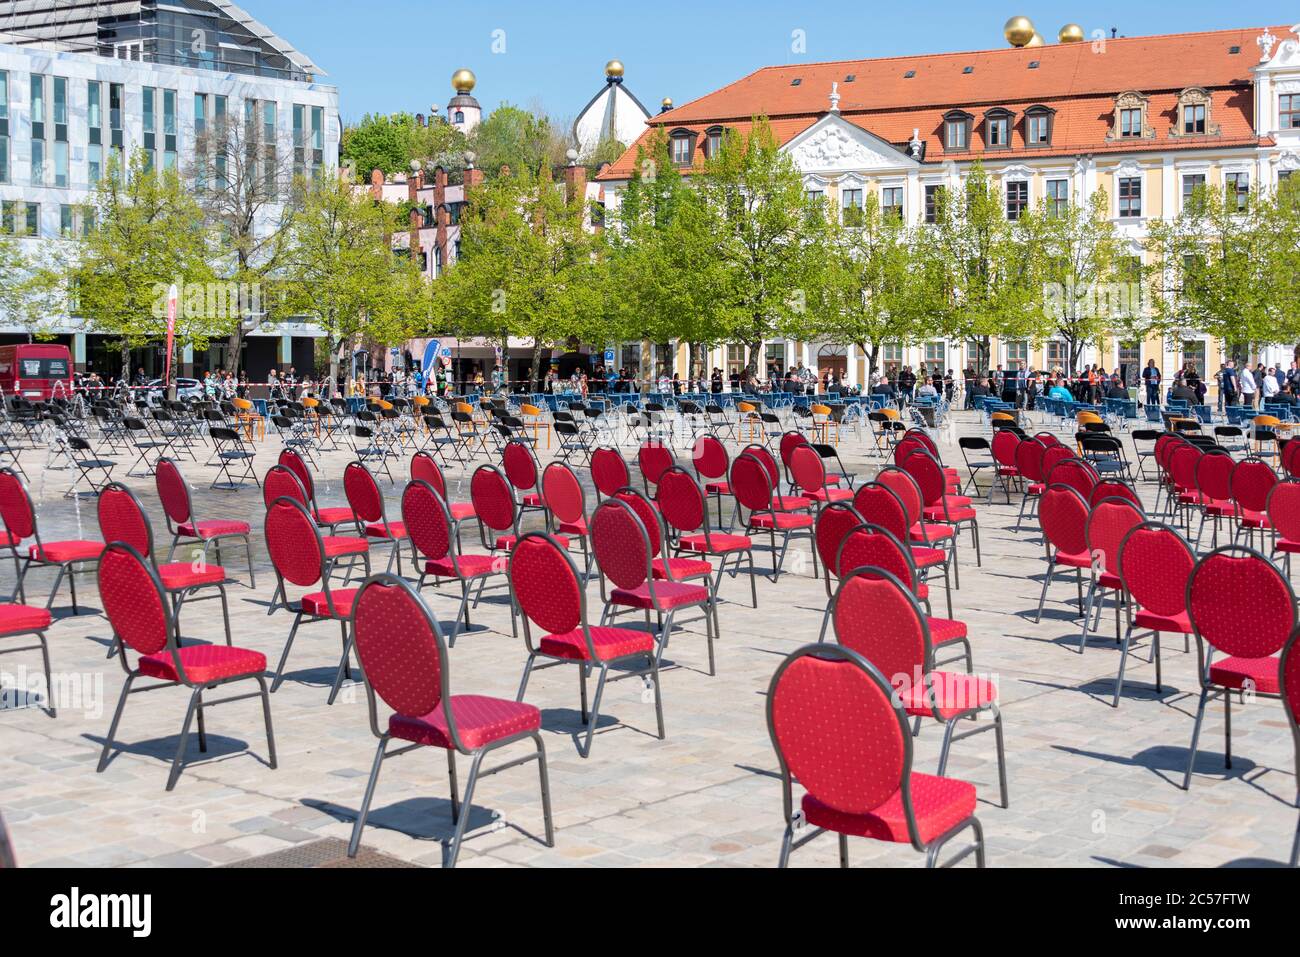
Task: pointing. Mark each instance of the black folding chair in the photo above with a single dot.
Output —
(88, 463)
(232, 452)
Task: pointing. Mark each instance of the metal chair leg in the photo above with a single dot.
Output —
(1196, 734)
(360, 824)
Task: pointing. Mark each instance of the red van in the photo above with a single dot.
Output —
(32, 369)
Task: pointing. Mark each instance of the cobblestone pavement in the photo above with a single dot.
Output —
(1089, 785)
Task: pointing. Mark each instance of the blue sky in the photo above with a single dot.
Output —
(390, 55)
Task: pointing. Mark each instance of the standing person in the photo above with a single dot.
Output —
(1269, 386)
(1229, 384)
(949, 387)
(1248, 387)
(906, 384)
(969, 377)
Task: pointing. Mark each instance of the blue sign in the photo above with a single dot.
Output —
(430, 354)
(446, 352)
(609, 355)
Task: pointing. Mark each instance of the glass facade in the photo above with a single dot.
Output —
(4, 127)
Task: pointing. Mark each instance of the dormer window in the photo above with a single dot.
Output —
(1131, 118)
(712, 141)
(956, 131)
(1193, 118)
(1038, 125)
(997, 129)
(683, 147)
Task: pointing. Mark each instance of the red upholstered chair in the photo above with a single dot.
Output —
(1074, 472)
(877, 615)
(1214, 482)
(566, 507)
(785, 448)
(1114, 488)
(1029, 463)
(522, 470)
(137, 609)
(878, 504)
(330, 518)
(685, 509)
(299, 557)
(546, 588)
(283, 482)
(1063, 517)
(623, 550)
(1182, 473)
(1290, 460)
(915, 439)
(1289, 684)
(608, 472)
(1252, 480)
(19, 620)
(1283, 513)
(20, 524)
(858, 781)
(425, 469)
(430, 530)
(497, 509)
(665, 567)
(367, 503)
(1108, 522)
(808, 478)
(1005, 443)
(182, 524)
(122, 519)
(1164, 448)
(833, 525)
(406, 665)
(873, 546)
(782, 503)
(923, 533)
(938, 506)
(1155, 563)
(752, 484)
(1048, 439)
(712, 464)
(653, 458)
(1244, 610)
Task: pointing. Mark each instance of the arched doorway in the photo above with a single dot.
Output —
(833, 361)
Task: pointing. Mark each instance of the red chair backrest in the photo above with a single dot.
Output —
(494, 502)
(919, 435)
(294, 543)
(905, 487)
(1076, 473)
(878, 504)
(425, 469)
(764, 456)
(363, 493)
(1252, 480)
(1029, 458)
(647, 513)
(282, 482)
(122, 519)
(133, 599)
(1155, 563)
(654, 458)
(833, 525)
(520, 466)
(680, 500)
(608, 471)
(1240, 603)
(1284, 509)
(172, 491)
(871, 545)
(751, 483)
(563, 494)
(1047, 439)
(862, 764)
(292, 460)
(1165, 446)
(1214, 475)
(621, 544)
(1289, 678)
(709, 456)
(789, 442)
(807, 470)
(906, 446)
(1182, 466)
(428, 524)
(1289, 461)
(876, 615)
(545, 584)
(1109, 521)
(400, 646)
(1005, 443)
(1113, 488)
(1052, 455)
(1063, 516)
(16, 505)
(927, 472)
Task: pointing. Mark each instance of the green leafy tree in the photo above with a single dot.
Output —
(767, 236)
(148, 234)
(509, 136)
(391, 143)
(33, 286)
(342, 271)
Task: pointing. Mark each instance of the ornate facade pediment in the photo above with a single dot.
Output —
(834, 145)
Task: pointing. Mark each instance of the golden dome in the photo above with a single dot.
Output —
(667, 103)
(614, 69)
(1018, 31)
(462, 81)
(1071, 33)
(1037, 40)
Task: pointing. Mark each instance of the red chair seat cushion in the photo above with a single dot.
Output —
(577, 529)
(834, 479)
(1150, 621)
(315, 603)
(1008, 470)
(954, 694)
(930, 532)
(471, 566)
(722, 543)
(781, 520)
(928, 557)
(394, 530)
(479, 720)
(506, 542)
(335, 516)
(8, 539)
(939, 804)
(60, 553)
(1037, 488)
(1252, 519)
(531, 500)
(336, 545)
(717, 488)
(938, 513)
(791, 503)
(1073, 559)
(944, 630)
(19, 619)
(831, 495)
(461, 511)
(670, 595)
(1236, 672)
(1285, 545)
(1220, 507)
(213, 528)
(681, 568)
(183, 575)
(204, 663)
(610, 643)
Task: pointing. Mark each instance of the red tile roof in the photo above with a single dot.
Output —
(1075, 79)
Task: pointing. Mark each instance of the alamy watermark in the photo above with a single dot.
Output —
(205, 301)
(1097, 300)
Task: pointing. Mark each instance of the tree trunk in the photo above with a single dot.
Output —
(234, 348)
(534, 379)
(334, 368)
(752, 348)
(647, 370)
(126, 362)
